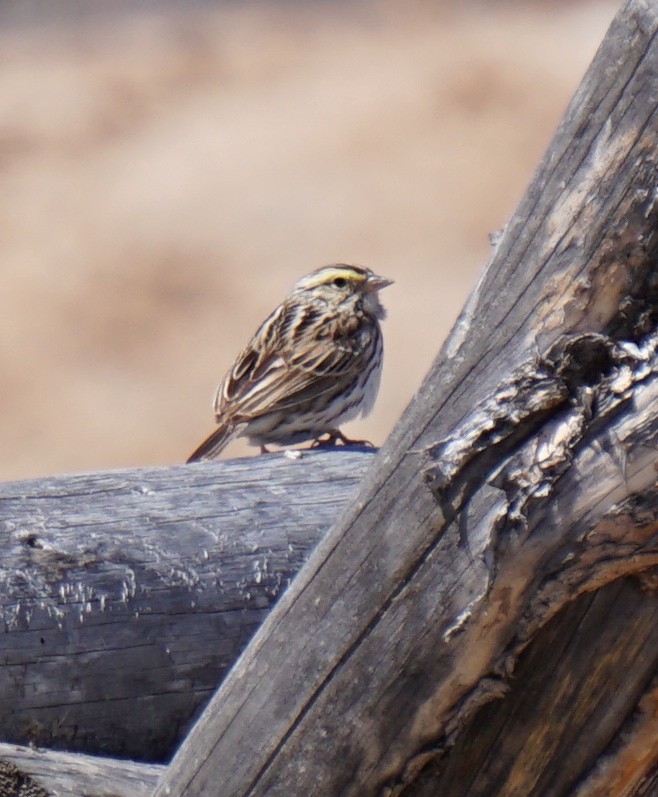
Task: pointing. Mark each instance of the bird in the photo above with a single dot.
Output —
(312, 365)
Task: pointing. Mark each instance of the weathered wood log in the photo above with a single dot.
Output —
(562, 706)
(72, 774)
(126, 596)
(502, 526)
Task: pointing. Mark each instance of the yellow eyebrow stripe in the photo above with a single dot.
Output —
(329, 274)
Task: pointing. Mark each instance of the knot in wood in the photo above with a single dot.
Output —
(582, 360)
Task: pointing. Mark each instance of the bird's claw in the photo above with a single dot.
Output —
(334, 438)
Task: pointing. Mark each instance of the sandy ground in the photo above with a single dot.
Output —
(166, 177)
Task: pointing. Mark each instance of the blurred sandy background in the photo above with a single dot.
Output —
(168, 171)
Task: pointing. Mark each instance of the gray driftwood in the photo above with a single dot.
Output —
(126, 596)
(482, 621)
(72, 774)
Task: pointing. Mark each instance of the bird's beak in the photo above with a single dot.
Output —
(376, 283)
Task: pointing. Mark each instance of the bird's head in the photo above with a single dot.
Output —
(341, 284)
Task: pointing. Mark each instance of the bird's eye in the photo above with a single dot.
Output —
(340, 282)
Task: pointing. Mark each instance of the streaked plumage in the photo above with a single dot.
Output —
(313, 364)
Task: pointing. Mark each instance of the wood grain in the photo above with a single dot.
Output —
(126, 596)
(76, 775)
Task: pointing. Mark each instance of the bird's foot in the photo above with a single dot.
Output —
(335, 437)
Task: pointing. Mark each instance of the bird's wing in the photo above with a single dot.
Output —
(287, 360)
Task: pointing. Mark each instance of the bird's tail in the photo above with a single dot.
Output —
(213, 445)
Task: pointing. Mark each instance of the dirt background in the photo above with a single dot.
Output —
(166, 175)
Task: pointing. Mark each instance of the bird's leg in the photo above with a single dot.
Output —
(335, 435)
(264, 450)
